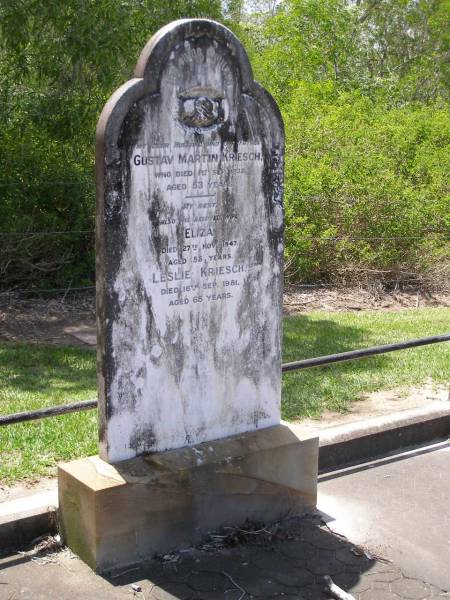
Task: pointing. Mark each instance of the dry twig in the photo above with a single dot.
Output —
(335, 591)
(236, 585)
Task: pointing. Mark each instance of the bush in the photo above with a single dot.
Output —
(59, 63)
(357, 168)
(360, 86)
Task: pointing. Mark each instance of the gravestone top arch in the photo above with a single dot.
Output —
(189, 164)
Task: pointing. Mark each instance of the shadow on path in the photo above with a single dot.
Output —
(292, 566)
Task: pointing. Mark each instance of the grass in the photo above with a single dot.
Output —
(310, 392)
(36, 376)
(33, 377)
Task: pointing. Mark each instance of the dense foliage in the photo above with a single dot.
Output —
(363, 89)
(362, 86)
(60, 62)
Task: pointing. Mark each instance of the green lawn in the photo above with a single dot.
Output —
(33, 377)
(312, 391)
(36, 376)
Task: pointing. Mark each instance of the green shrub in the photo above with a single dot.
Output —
(357, 168)
(361, 87)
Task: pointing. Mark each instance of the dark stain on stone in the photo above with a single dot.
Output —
(200, 432)
(102, 431)
(154, 213)
(196, 336)
(115, 239)
(180, 238)
(250, 361)
(141, 372)
(151, 329)
(259, 254)
(236, 417)
(143, 439)
(175, 347)
(256, 417)
(152, 332)
(213, 334)
(198, 137)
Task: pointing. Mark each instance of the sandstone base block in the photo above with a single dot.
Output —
(117, 515)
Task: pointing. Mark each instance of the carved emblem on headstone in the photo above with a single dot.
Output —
(201, 108)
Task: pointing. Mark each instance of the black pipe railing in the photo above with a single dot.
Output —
(330, 359)
(307, 363)
(50, 411)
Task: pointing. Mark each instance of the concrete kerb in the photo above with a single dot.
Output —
(24, 519)
(362, 440)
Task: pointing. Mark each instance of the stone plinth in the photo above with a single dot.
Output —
(116, 515)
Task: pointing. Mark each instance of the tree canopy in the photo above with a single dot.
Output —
(363, 87)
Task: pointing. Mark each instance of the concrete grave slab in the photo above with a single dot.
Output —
(27, 517)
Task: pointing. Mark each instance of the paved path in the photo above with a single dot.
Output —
(399, 506)
(289, 569)
(367, 504)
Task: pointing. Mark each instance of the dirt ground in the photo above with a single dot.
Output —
(349, 299)
(70, 321)
(51, 322)
(383, 403)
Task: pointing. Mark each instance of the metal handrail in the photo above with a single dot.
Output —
(330, 359)
(307, 363)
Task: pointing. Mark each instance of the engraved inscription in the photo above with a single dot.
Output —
(203, 259)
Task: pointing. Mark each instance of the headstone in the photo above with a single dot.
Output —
(189, 247)
(189, 289)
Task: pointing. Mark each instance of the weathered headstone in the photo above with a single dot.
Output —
(189, 247)
(189, 289)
